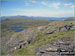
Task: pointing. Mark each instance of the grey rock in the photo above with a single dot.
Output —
(62, 28)
(57, 30)
(73, 27)
(50, 32)
(65, 49)
(40, 28)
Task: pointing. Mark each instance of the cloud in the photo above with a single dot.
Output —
(72, 6)
(55, 5)
(44, 13)
(44, 3)
(50, 13)
(67, 4)
(33, 1)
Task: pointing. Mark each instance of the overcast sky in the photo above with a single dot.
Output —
(46, 8)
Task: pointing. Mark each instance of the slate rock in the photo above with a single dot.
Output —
(63, 29)
(50, 32)
(73, 27)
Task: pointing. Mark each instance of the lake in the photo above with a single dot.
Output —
(17, 28)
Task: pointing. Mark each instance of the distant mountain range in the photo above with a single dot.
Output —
(70, 19)
(32, 17)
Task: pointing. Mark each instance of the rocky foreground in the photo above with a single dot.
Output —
(54, 39)
(60, 48)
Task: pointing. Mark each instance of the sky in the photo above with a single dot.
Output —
(44, 8)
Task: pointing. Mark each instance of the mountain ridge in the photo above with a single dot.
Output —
(33, 17)
(70, 19)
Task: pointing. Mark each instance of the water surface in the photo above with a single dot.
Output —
(16, 28)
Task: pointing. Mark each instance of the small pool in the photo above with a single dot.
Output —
(19, 30)
(16, 28)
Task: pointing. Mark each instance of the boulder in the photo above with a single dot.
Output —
(50, 32)
(68, 27)
(40, 28)
(57, 30)
(63, 29)
(29, 41)
(51, 49)
(73, 27)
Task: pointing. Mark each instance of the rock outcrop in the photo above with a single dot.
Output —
(17, 42)
(42, 28)
(62, 28)
(61, 48)
(30, 37)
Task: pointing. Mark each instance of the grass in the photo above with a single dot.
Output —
(25, 51)
(44, 39)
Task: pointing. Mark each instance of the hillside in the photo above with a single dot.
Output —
(21, 22)
(7, 23)
(38, 38)
(37, 28)
(24, 22)
(70, 19)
